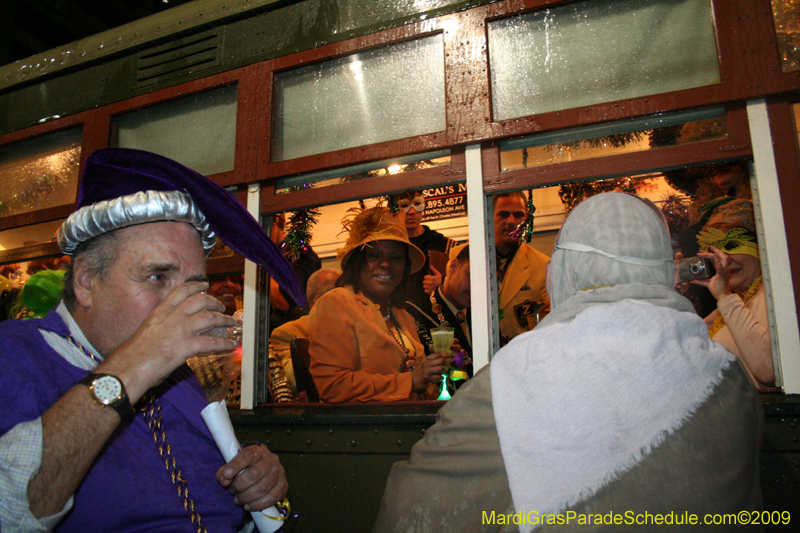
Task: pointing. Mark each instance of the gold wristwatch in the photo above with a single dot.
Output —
(108, 390)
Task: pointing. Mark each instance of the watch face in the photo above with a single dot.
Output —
(107, 389)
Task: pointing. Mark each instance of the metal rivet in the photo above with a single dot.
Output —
(399, 443)
(308, 443)
(330, 432)
(268, 442)
(375, 432)
(288, 431)
(352, 443)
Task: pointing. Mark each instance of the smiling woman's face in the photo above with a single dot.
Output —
(743, 271)
(383, 269)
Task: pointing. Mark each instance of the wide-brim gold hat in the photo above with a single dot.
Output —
(376, 224)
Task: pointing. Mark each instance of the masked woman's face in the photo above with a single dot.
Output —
(726, 176)
(743, 271)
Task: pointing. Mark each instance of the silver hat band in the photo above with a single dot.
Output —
(139, 208)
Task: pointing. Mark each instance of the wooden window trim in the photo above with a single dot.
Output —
(736, 145)
(366, 188)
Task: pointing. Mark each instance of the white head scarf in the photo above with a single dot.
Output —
(623, 353)
(622, 239)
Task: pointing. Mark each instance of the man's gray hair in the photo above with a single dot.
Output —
(97, 255)
(320, 282)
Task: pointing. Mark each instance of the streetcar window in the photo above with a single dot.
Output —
(692, 200)
(392, 92)
(374, 169)
(604, 140)
(198, 130)
(444, 213)
(585, 53)
(40, 173)
(29, 235)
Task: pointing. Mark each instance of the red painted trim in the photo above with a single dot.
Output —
(736, 145)
(245, 167)
(367, 188)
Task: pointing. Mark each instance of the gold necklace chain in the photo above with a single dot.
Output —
(399, 338)
(153, 417)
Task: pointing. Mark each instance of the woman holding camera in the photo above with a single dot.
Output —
(740, 320)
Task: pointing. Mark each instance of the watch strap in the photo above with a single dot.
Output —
(122, 405)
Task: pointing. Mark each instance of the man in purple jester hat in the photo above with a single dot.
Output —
(101, 426)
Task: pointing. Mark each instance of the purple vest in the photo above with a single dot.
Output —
(128, 489)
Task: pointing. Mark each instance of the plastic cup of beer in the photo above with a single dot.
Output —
(442, 339)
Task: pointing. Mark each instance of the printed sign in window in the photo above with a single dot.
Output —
(448, 201)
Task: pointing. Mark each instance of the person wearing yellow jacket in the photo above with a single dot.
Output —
(521, 269)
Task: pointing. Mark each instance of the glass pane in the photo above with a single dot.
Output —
(29, 235)
(40, 173)
(198, 130)
(375, 169)
(613, 139)
(787, 26)
(18, 273)
(388, 93)
(598, 51)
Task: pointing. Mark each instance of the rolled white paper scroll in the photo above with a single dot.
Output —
(219, 424)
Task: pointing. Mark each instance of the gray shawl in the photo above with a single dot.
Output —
(612, 371)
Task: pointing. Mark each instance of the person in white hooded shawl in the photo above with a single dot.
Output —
(618, 402)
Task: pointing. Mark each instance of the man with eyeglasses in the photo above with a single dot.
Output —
(421, 284)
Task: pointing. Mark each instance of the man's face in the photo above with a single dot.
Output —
(413, 208)
(278, 228)
(226, 289)
(509, 212)
(152, 260)
(456, 285)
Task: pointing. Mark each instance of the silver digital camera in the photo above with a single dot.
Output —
(695, 268)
